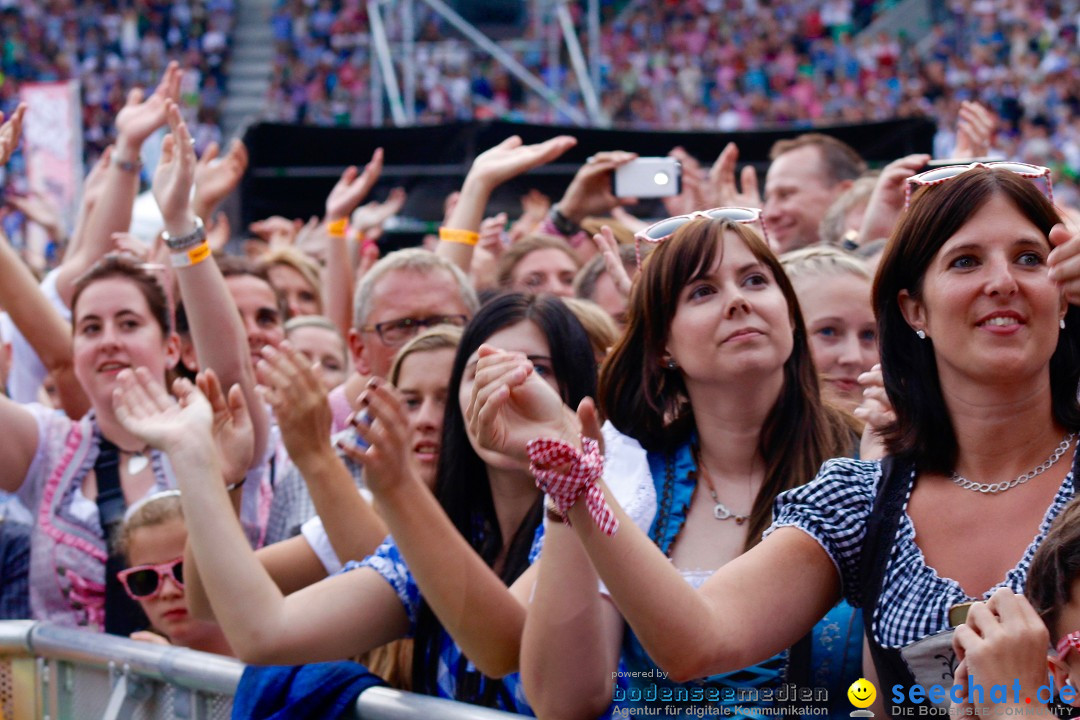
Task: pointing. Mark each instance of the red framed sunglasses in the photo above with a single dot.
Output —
(944, 174)
(660, 231)
(144, 581)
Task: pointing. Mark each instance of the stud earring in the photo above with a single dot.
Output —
(671, 364)
(1061, 323)
(921, 334)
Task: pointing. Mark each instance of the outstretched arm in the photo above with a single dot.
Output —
(332, 620)
(742, 615)
(111, 212)
(30, 310)
(216, 329)
(573, 635)
(350, 190)
(299, 401)
(484, 617)
(492, 168)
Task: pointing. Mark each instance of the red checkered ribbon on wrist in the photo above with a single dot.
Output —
(565, 473)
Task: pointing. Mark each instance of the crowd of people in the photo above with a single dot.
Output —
(728, 66)
(111, 48)
(581, 465)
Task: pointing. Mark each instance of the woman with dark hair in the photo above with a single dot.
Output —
(715, 380)
(484, 521)
(979, 350)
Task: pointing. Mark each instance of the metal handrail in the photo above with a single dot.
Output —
(203, 672)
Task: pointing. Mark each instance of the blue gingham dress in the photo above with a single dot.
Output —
(915, 600)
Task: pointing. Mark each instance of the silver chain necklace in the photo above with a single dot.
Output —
(1003, 486)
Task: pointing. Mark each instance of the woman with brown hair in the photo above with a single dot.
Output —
(981, 357)
(714, 379)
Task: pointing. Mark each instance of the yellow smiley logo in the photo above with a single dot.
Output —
(862, 693)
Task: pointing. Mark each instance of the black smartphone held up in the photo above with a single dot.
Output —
(648, 177)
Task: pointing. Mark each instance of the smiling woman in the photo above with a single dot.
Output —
(981, 359)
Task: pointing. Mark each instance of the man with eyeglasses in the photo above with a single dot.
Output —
(403, 294)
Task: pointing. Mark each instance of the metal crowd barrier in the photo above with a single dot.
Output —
(54, 673)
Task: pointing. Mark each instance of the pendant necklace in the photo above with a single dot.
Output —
(137, 461)
(720, 510)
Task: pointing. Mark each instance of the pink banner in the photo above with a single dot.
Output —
(52, 136)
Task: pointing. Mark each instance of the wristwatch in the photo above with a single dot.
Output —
(186, 242)
(563, 224)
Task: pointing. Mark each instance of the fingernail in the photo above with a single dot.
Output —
(373, 382)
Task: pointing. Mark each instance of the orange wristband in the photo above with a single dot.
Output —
(465, 237)
(194, 256)
(337, 228)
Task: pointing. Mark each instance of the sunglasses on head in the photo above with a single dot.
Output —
(944, 174)
(144, 581)
(660, 231)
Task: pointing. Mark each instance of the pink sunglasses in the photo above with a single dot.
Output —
(944, 174)
(144, 581)
(660, 231)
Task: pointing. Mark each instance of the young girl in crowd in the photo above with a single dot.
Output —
(484, 520)
(833, 288)
(979, 351)
(714, 379)
(152, 539)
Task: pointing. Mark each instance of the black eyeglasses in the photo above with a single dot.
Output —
(400, 331)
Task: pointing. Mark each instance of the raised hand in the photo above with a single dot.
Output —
(511, 158)
(218, 231)
(352, 187)
(232, 428)
(721, 189)
(491, 234)
(1064, 261)
(692, 195)
(10, 132)
(149, 413)
(589, 193)
(216, 177)
(140, 117)
(876, 411)
(40, 209)
(175, 174)
(295, 392)
(534, 207)
(975, 125)
(887, 200)
(510, 405)
(606, 243)
(276, 230)
(372, 215)
(388, 460)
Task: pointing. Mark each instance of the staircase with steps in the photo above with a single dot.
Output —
(249, 67)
